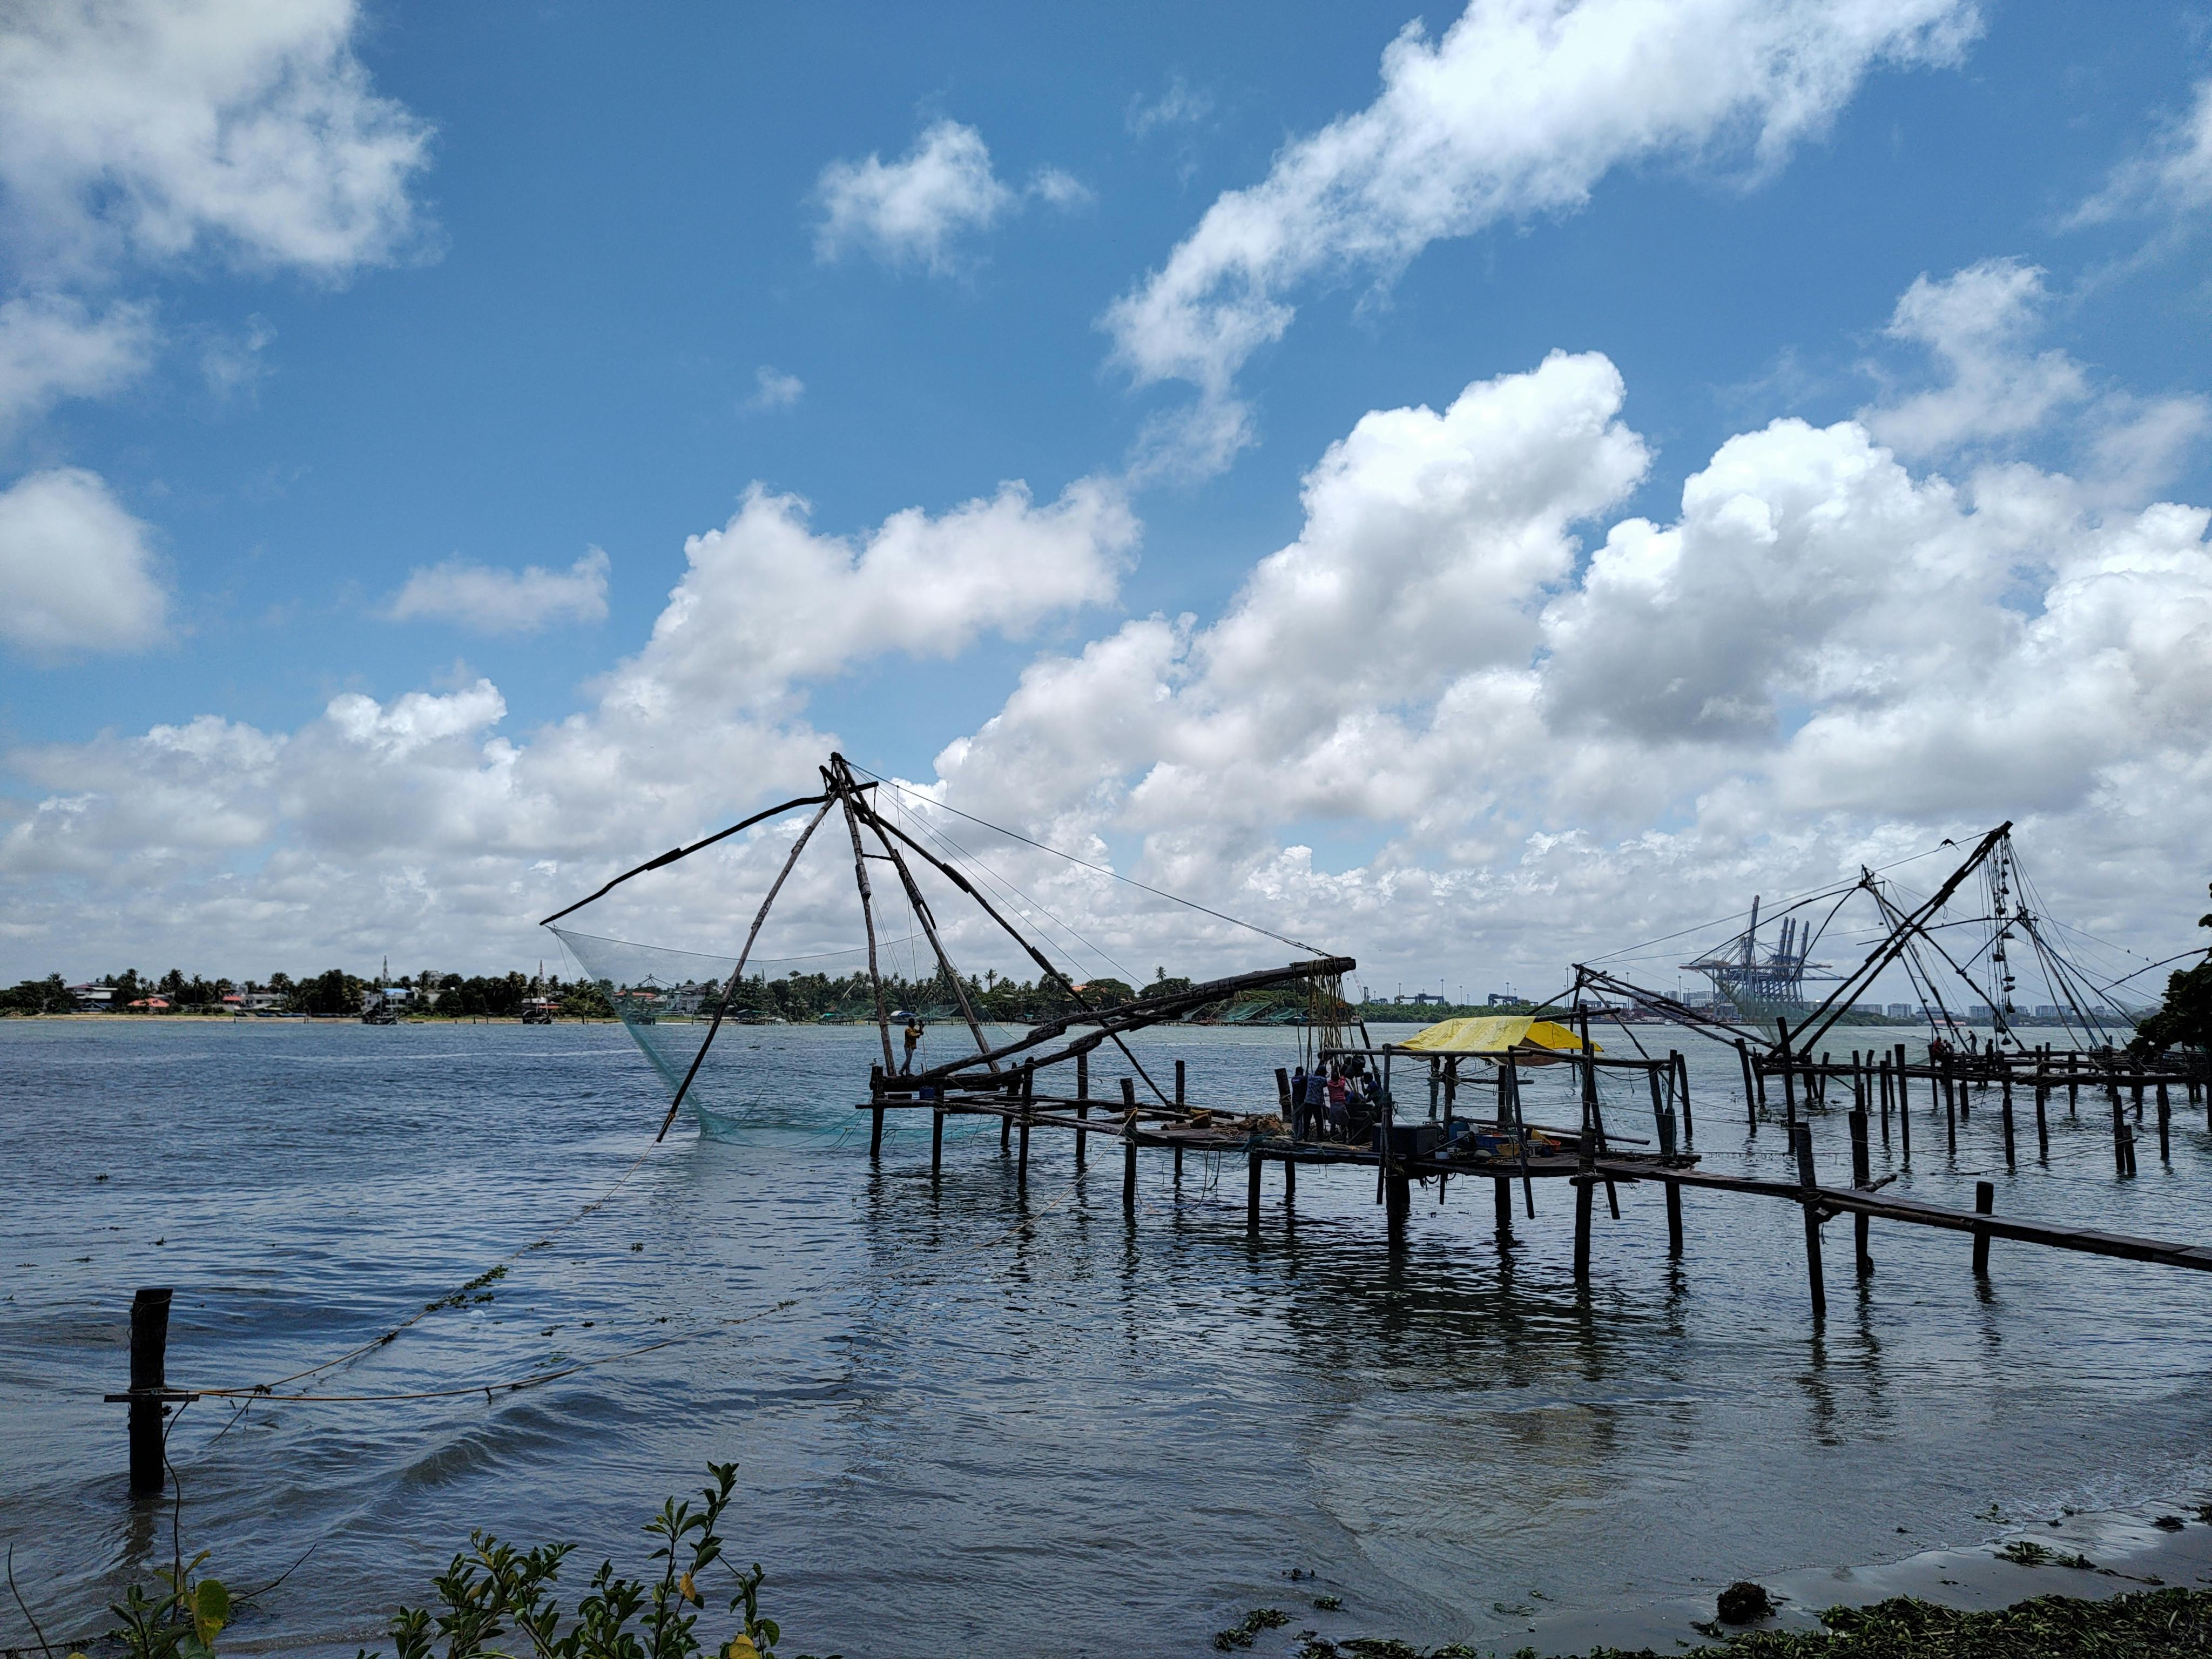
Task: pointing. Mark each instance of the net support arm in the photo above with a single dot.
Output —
(1043, 961)
(1818, 1021)
(928, 921)
(838, 785)
(675, 852)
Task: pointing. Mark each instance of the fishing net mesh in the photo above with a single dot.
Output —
(666, 999)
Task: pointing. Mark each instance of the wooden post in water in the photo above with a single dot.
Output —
(2165, 1121)
(1985, 1203)
(1862, 1178)
(149, 1350)
(1583, 1200)
(1802, 1137)
(2042, 1124)
(1502, 1191)
(1509, 1082)
(1290, 1180)
(1083, 1106)
(2005, 1112)
(1129, 1144)
(1680, 1067)
(1789, 1083)
(2120, 1136)
(1179, 1082)
(876, 1129)
(936, 1141)
(1028, 1096)
(1750, 1088)
(2073, 1083)
(1252, 1193)
(1667, 1153)
(1950, 1112)
(1904, 1116)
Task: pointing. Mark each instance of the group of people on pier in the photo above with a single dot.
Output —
(1339, 1099)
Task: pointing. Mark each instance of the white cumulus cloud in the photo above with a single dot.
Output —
(77, 570)
(913, 210)
(142, 129)
(491, 600)
(54, 346)
(1520, 107)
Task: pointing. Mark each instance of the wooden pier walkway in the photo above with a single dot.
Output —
(1588, 1158)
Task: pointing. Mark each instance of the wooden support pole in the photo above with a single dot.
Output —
(1680, 1064)
(1750, 1088)
(2042, 1118)
(2073, 1084)
(1674, 1219)
(1252, 1193)
(1082, 1109)
(2120, 1136)
(1883, 1090)
(1502, 1191)
(936, 1141)
(1290, 1182)
(1789, 1083)
(1179, 1083)
(2004, 1111)
(2165, 1127)
(1509, 1080)
(1129, 1144)
(1985, 1203)
(875, 1137)
(150, 1351)
(1584, 1198)
(1950, 1113)
(1861, 1177)
(1178, 1166)
(1801, 1137)
(1398, 1199)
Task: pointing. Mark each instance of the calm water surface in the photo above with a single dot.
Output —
(970, 1435)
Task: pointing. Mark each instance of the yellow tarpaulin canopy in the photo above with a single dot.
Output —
(1496, 1034)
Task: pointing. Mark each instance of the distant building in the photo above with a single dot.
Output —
(1501, 999)
(1871, 1009)
(95, 996)
(2046, 1011)
(1422, 999)
(1900, 1010)
(1983, 1012)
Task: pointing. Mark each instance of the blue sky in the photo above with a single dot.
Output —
(614, 240)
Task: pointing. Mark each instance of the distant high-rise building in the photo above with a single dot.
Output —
(1901, 1011)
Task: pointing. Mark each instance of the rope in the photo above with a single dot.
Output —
(266, 1390)
(1015, 835)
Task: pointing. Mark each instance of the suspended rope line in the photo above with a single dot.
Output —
(1104, 870)
(1004, 886)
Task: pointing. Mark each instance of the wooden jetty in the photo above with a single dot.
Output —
(1473, 1127)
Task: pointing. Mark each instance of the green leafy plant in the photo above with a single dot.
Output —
(492, 1588)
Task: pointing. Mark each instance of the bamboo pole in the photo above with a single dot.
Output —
(838, 785)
